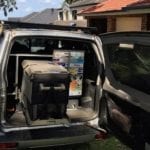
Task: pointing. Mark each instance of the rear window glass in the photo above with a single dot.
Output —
(130, 64)
(46, 45)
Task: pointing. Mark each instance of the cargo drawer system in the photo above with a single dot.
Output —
(45, 88)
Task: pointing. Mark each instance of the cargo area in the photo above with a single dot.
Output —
(64, 94)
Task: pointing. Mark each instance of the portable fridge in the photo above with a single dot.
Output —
(45, 89)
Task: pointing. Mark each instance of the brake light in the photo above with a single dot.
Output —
(101, 136)
(8, 146)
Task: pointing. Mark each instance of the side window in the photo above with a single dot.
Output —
(20, 46)
(34, 45)
(37, 44)
(130, 64)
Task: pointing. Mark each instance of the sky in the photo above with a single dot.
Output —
(26, 7)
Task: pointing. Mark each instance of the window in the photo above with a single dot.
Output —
(44, 45)
(130, 64)
(74, 14)
(61, 15)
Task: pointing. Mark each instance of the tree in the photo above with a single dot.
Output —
(7, 5)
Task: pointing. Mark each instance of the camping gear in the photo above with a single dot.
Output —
(45, 89)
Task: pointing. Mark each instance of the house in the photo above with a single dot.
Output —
(47, 16)
(119, 15)
(67, 14)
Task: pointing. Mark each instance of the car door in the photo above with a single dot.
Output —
(125, 106)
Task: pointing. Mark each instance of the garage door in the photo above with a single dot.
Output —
(128, 23)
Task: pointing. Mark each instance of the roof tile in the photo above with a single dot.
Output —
(84, 2)
(141, 3)
(109, 5)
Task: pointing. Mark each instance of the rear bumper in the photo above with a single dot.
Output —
(31, 144)
(50, 137)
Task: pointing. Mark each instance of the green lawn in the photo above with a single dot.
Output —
(108, 144)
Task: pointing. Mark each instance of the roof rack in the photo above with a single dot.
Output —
(12, 25)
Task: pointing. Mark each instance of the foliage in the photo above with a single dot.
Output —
(7, 5)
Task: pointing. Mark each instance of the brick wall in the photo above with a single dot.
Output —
(111, 24)
(144, 23)
(148, 22)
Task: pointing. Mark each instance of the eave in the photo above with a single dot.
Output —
(117, 13)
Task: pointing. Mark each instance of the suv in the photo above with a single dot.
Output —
(103, 86)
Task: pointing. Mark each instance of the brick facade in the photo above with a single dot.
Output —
(144, 23)
(111, 24)
(111, 21)
(148, 22)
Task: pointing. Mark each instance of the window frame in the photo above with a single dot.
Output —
(122, 91)
(74, 14)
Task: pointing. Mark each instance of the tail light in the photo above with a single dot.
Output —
(101, 136)
(8, 146)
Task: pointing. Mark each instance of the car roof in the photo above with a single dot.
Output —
(53, 33)
(31, 29)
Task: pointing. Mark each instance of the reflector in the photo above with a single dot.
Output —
(101, 136)
(7, 146)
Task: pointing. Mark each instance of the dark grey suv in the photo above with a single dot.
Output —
(60, 85)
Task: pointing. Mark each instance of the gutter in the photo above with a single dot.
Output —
(115, 13)
(136, 7)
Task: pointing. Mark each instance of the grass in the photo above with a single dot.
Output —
(108, 144)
